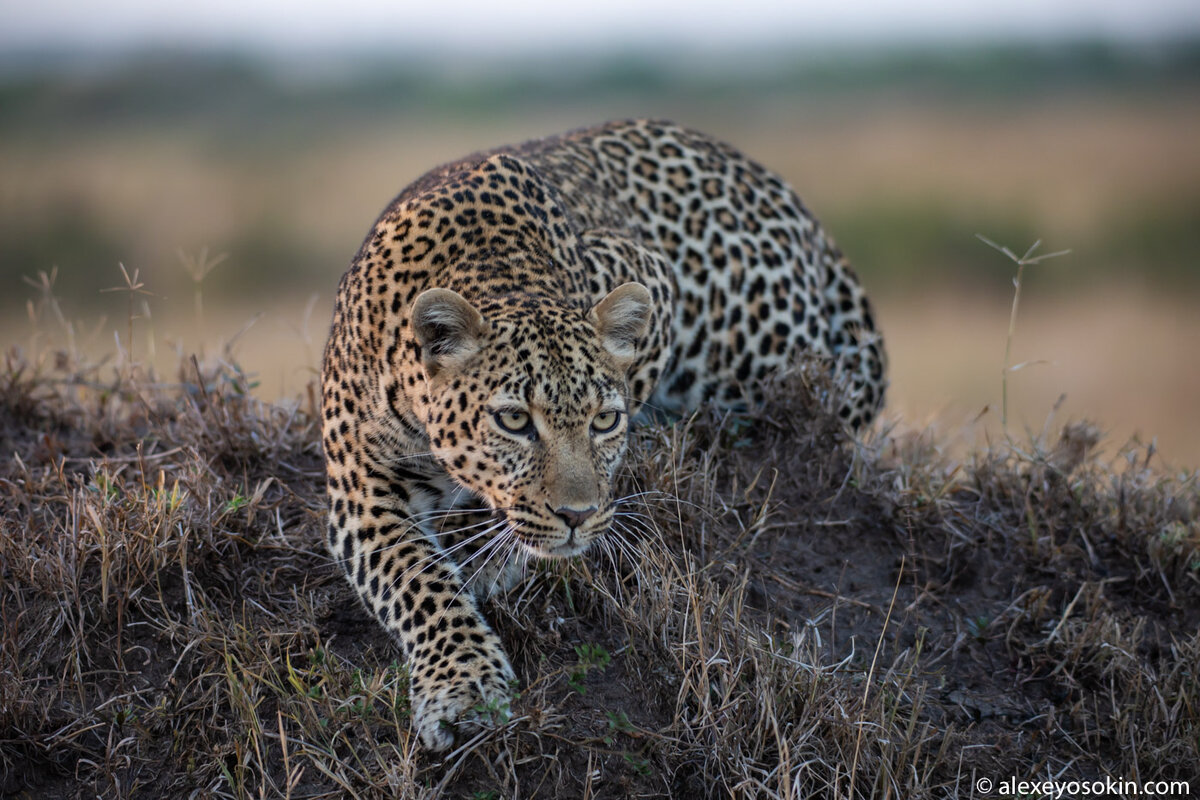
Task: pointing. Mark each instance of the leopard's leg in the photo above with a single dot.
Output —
(379, 532)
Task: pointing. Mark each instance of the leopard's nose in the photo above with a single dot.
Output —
(574, 517)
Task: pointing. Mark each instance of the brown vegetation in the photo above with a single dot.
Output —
(784, 612)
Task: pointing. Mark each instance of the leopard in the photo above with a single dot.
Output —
(506, 319)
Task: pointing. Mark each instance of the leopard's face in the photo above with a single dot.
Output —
(531, 414)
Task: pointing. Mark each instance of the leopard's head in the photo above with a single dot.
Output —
(526, 403)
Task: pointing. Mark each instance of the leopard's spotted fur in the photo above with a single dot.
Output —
(506, 317)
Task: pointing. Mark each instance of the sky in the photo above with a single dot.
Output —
(494, 27)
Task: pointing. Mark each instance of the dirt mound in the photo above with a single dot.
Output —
(780, 611)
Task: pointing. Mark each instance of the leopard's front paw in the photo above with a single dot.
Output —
(461, 694)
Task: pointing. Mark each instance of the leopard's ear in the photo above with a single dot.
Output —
(622, 318)
(448, 328)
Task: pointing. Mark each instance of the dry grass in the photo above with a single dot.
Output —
(1119, 354)
(786, 613)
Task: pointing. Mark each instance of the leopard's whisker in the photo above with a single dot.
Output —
(492, 525)
(663, 498)
(634, 547)
(406, 537)
(626, 547)
(411, 456)
(438, 556)
(642, 523)
(630, 553)
(489, 550)
(638, 515)
(427, 516)
(605, 548)
(650, 493)
(443, 553)
(614, 548)
(495, 546)
(504, 562)
(644, 404)
(438, 513)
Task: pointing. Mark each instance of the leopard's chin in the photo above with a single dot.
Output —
(571, 547)
(565, 550)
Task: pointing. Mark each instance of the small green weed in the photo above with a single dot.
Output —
(495, 711)
(618, 722)
(235, 504)
(640, 765)
(591, 656)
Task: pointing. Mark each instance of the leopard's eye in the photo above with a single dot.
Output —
(514, 420)
(605, 421)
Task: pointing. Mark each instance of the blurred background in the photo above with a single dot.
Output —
(234, 157)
